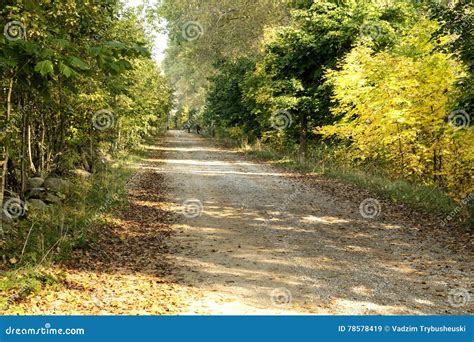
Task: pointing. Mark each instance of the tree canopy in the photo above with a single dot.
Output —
(387, 83)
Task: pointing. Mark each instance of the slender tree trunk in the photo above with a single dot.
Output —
(41, 150)
(4, 162)
(30, 156)
(400, 150)
(303, 136)
(24, 129)
(91, 150)
(437, 163)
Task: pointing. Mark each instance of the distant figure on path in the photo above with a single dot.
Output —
(198, 129)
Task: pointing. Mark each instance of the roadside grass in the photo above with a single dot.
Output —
(17, 285)
(410, 193)
(41, 238)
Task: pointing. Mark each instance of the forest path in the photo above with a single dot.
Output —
(252, 240)
(209, 232)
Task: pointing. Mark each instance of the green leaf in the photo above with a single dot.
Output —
(10, 62)
(29, 47)
(116, 45)
(124, 64)
(45, 67)
(46, 53)
(65, 70)
(95, 51)
(78, 63)
(142, 51)
(60, 43)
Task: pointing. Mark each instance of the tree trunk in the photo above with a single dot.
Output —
(5, 156)
(41, 151)
(400, 150)
(24, 129)
(303, 136)
(30, 156)
(437, 163)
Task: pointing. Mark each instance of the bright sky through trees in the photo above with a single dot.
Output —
(161, 39)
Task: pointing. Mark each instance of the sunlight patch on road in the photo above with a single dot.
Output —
(217, 173)
(323, 219)
(198, 162)
(188, 149)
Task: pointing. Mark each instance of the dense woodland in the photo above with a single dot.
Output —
(378, 93)
(379, 86)
(79, 90)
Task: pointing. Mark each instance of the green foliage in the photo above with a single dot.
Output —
(55, 233)
(78, 87)
(16, 285)
(395, 107)
(389, 83)
(224, 105)
(202, 33)
(458, 21)
(70, 62)
(296, 56)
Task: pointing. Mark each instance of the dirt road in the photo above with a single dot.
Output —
(209, 232)
(252, 240)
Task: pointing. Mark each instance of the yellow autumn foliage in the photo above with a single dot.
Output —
(398, 106)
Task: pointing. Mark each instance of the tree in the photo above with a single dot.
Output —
(395, 105)
(296, 56)
(458, 20)
(81, 66)
(203, 33)
(225, 107)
